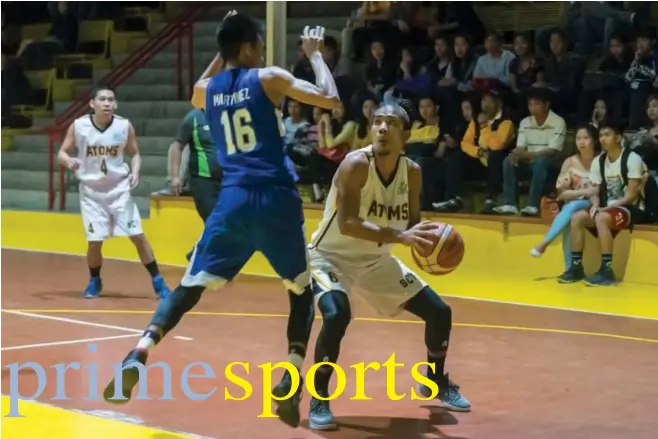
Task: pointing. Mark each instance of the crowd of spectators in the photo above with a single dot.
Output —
(490, 114)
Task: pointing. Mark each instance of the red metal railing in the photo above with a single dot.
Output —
(180, 28)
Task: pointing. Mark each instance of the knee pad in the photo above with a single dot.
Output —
(335, 309)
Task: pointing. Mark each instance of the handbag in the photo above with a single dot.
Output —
(335, 154)
(549, 208)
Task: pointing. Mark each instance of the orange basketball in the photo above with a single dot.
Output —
(445, 255)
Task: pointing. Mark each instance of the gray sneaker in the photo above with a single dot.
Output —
(448, 395)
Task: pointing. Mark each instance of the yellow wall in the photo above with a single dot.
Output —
(497, 264)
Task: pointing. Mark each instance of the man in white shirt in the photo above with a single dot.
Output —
(539, 142)
(617, 176)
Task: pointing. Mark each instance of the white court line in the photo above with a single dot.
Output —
(476, 299)
(67, 342)
(85, 323)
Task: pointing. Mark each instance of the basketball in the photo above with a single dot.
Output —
(445, 255)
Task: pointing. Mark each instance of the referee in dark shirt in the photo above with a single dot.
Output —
(204, 170)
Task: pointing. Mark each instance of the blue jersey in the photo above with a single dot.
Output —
(247, 130)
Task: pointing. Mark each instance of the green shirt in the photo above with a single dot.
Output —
(195, 132)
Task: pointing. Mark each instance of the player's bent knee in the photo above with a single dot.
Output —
(335, 309)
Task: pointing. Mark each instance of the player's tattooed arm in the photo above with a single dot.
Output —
(136, 159)
(68, 144)
(415, 184)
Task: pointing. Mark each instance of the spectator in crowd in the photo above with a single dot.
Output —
(305, 153)
(457, 80)
(599, 113)
(65, 27)
(645, 141)
(462, 65)
(615, 207)
(362, 135)
(483, 149)
(525, 70)
(381, 70)
(588, 23)
(413, 21)
(492, 70)
(608, 82)
(372, 20)
(437, 67)
(294, 122)
(426, 147)
(540, 141)
(340, 131)
(573, 188)
(563, 74)
(455, 18)
(642, 77)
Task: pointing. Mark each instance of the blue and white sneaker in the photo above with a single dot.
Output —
(94, 288)
(605, 277)
(160, 287)
(449, 395)
(320, 416)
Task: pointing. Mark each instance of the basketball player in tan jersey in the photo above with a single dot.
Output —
(374, 203)
(106, 205)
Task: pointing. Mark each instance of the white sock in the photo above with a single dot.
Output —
(145, 343)
(296, 360)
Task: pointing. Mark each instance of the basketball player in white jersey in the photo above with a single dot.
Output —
(106, 204)
(373, 204)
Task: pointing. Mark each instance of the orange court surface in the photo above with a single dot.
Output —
(530, 372)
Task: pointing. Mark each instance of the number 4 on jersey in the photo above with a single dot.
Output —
(104, 167)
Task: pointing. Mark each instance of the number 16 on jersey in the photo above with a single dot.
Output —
(239, 135)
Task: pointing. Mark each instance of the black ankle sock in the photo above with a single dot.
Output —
(439, 367)
(152, 268)
(322, 378)
(577, 258)
(606, 260)
(95, 272)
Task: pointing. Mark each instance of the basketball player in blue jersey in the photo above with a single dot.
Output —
(259, 208)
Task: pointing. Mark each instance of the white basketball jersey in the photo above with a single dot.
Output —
(100, 152)
(386, 205)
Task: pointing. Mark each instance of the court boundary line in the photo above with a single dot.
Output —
(66, 342)
(84, 323)
(361, 319)
(269, 276)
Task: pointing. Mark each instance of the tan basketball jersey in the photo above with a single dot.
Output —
(100, 152)
(386, 205)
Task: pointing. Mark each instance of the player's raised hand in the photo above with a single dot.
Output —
(312, 40)
(231, 13)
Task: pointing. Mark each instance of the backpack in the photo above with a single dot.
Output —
(648, 191)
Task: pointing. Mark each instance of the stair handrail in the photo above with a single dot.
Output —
(130, 65)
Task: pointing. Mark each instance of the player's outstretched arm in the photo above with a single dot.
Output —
(136, 158)
(63, 155)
